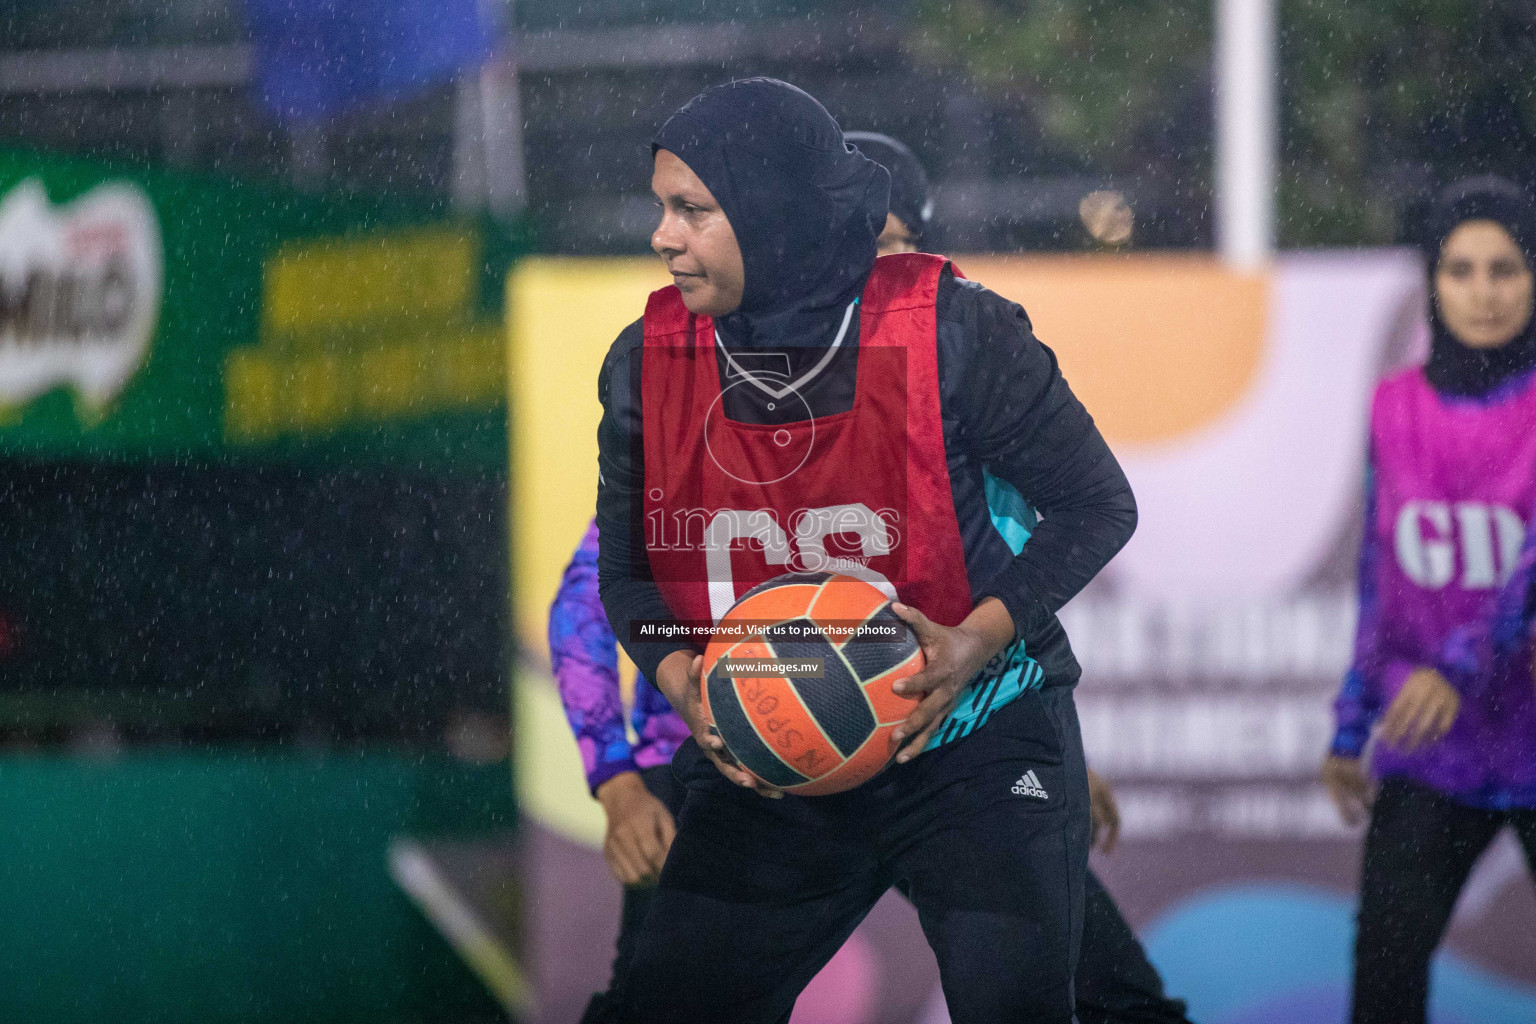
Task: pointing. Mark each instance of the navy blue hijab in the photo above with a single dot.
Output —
(805, 206)
(1454, 368)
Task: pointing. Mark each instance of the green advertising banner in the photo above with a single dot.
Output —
(146, 315)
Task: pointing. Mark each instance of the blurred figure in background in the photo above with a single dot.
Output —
(1443, 654)
(1115, 983)
(911, 212)
(632, 781)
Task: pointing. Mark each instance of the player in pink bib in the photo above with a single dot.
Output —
(1443, 666)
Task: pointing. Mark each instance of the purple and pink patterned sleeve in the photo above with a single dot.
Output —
(1504, 640)
(584, 657)
(1374, 674)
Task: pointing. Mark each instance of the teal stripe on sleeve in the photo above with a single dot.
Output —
(1012, 671)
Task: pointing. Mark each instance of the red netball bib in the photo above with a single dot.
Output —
(864, 492)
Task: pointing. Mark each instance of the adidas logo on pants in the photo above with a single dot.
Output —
(1029, 785)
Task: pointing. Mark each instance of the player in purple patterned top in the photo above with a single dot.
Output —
(1443, 658)
(586, 667)
(633, 782)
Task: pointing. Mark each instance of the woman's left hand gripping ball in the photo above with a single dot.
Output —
(954, 654)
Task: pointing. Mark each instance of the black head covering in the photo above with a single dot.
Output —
(1458, 369)
(805, 206)
(909, 182)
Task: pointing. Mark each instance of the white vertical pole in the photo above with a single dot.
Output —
(489, 171)
(501, 111)
(468, 145)
(1247, 132)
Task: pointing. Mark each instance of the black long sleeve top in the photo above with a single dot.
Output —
(1006, 410)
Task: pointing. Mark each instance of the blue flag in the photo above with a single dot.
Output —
(317, 57)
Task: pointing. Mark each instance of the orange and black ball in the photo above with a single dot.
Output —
(805, 734)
